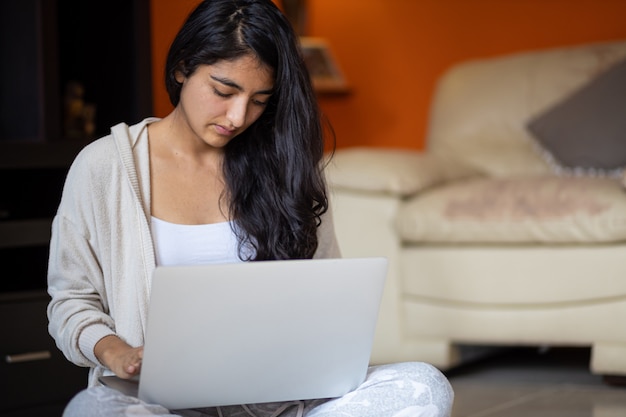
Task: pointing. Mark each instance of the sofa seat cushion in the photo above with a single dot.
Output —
(543, 209)
(514, 276)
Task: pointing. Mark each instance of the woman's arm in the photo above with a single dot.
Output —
(117, 355)
(78, 309)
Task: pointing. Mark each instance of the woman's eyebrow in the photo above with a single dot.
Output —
(230, 83)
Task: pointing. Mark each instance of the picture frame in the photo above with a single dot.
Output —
(325, 73)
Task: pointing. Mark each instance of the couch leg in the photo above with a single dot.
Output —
(609, 360)
(614, 380)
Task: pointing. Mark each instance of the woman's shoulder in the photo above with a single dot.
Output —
(95, 154)
(88, 175)
(103, 153)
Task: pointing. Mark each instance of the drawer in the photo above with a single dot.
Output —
(30, 193)
(31, 261)
(50, 410)
(34, 372)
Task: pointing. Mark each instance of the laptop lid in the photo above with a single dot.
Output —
(260, 331)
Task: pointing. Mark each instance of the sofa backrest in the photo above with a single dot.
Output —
(481, 107)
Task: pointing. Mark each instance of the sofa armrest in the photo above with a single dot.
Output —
(398, 172)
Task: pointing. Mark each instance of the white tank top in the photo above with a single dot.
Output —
(182, 244)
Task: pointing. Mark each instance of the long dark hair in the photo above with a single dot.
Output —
(273, 171)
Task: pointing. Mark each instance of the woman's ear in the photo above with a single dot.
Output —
(180, 77)
(180, 72)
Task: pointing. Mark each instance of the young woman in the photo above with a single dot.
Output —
(233, 174)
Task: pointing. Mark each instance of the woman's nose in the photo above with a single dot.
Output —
(237, 112)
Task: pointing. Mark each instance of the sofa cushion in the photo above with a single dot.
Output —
(391, 171)
(586, 132)
(481, 108)
(546, 209)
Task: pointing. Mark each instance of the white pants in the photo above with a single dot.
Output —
(411, 389)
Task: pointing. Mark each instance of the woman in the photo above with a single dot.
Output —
(232, 174)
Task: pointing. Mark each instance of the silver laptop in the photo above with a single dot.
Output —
(258, 332)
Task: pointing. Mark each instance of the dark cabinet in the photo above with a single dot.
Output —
(100, 53)
(71, 69)
(36, 378)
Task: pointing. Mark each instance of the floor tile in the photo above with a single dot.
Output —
(525, 382)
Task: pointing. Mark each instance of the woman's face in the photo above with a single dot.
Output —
(220, 101)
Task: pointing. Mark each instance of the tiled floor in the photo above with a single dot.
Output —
(530, 382)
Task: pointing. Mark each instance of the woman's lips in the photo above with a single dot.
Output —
(224, 131)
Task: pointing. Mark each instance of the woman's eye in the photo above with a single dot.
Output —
(259, 103)
(219, 93)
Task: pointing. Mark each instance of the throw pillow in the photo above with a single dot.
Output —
(585, 134)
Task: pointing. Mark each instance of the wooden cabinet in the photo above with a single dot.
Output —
(36, 378)
(53, 44)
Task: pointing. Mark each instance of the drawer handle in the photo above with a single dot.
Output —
(28, 357)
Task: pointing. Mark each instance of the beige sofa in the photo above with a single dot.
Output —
(492, 239)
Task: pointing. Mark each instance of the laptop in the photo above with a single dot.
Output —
(256, 332)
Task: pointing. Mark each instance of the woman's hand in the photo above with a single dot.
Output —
(117, 355)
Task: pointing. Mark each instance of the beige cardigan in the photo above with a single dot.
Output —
(101, 250)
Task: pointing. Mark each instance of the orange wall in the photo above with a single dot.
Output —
(392, 51)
